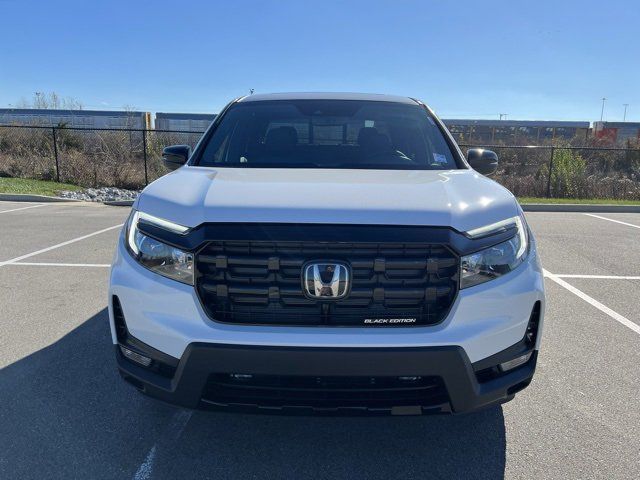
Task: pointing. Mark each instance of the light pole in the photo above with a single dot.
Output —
(602, 111)
(503, 115)
(624, 118)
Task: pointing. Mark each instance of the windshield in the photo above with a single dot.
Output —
(327, 134)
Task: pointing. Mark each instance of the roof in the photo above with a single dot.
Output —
(186, 116)
(516, 123)
(599, 125)
(262, 97)
(51, 111)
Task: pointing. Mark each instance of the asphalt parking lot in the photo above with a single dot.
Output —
(65, 413)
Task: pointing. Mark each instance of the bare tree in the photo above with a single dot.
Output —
(71, 103)
(50, 101)
(130, 109)
(23, 103)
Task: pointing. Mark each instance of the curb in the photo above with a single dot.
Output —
(119, 203)
(26, 197)
(578, 207)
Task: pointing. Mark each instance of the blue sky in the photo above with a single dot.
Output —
(475, 59)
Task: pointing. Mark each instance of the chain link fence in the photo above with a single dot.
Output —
(556, 171)
(131, 158)
(96, 157)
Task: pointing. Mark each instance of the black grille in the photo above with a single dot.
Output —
(258, 282)
(324, 393)
(118, 319)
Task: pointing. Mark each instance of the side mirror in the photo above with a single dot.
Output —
(175, 156)
(482, 161)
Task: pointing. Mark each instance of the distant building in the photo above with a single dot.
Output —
(514, 131)
(194, 122)
(75, 118)
(487, 132)
(617, 132)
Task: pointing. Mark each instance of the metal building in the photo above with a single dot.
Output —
(75, 118)
(194, 122)
(617, 132)
(514, 131)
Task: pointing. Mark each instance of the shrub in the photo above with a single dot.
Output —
(567, 174)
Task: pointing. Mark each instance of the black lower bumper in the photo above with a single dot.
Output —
(318, 380)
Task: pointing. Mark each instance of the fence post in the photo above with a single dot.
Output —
(550, 170)
(144, 153)
(55, 153)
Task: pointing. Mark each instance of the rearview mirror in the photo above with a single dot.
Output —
(175, 156)
(482, 161)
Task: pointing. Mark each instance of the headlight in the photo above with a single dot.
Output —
(495, 261)
(158, 257)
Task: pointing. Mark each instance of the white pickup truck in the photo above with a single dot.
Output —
(327, 253)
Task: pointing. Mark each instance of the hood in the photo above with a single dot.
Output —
(462, 199)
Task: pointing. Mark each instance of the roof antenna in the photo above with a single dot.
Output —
(251, 91)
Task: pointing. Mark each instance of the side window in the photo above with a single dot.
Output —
(216, 149)
(219, 154)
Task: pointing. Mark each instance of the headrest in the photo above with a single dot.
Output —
(281, 138)
(367, 134)
(370, 139)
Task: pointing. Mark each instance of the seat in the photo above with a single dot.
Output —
(372, 141)
(281, 140)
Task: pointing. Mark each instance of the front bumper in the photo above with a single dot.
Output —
(463, 392)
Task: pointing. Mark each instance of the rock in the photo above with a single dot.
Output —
(101, 194)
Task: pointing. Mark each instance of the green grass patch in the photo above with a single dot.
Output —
(583, 201)
(34, 187)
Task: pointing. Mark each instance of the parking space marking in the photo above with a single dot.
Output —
(600, 277)
(53, 247)
(145, 469)
(603, 308)
(172, 433)
(612, 220)
(52, 264)
(23, 208)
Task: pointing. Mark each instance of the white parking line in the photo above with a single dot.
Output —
(612, 220)
(146, 468)
(603, 308)
(53, 247)
(601, 277)
(52, 264)
(171, 434)
(23, 208)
